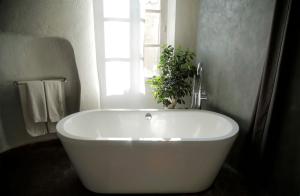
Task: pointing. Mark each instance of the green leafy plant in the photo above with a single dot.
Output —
(176, 70)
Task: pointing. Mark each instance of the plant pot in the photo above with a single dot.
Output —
(173, 104)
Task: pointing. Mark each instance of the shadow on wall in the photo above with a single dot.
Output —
(32, 58)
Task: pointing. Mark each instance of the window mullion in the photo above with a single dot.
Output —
(117, 19)
(153, 11)
(151, 45)
(117, 59)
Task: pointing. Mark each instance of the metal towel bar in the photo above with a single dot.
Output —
(24, 82)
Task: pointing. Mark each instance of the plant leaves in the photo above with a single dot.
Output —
(176, 68)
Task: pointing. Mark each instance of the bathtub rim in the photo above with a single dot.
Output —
(64, 134)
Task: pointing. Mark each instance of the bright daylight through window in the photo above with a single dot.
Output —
(131, 44)
(152, 37)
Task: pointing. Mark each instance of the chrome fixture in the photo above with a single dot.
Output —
(198, 93)
(148, 116)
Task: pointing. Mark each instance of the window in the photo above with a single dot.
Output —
(131, 45)
(118, 44)
(152, 39)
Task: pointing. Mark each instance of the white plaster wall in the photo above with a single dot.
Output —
(171, 22)
(186, 23)
(182, 23)
(26, 58)
(69, 19)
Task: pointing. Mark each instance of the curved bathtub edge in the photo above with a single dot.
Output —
(62, 132)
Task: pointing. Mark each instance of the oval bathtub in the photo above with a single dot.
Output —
(147, 151)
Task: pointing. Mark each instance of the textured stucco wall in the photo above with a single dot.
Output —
(232, 42)
(69, 19)
(32, 58)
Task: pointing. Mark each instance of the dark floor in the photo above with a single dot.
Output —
(44, 169)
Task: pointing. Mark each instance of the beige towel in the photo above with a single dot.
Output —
(33, 129)
(55, 97)
(36, 101)
(51, 126)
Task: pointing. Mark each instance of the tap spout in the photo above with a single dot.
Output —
(198, 93)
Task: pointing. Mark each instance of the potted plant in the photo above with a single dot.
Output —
(176, 70)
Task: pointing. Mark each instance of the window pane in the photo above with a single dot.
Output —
(151, 60)
(152, 4)
(141, 79)
(152, 28)
(142, 9)
(116, 8)
(142, 36)
(117, 76)
(116, 39)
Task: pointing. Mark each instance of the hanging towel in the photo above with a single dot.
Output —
(33, 129)
(36, 101)
(51, 126)
(55, 97)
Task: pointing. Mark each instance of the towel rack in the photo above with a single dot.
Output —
(16, 83)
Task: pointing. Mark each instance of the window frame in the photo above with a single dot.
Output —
(162, 29)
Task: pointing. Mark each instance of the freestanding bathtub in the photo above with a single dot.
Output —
(147, 151)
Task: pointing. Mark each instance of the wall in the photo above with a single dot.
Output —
(232, 42)
(72, 20)
(186, 23)
(171, 18)
(182, 23)
(32, 58)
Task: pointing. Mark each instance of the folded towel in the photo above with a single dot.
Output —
(55, 97)
(36, 101)
(33, 129)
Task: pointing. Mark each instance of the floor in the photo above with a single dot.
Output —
(44, 169)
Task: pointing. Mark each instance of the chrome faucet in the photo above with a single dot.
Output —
(198, 93)
(148, 116)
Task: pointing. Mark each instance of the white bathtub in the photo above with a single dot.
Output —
(120, 151)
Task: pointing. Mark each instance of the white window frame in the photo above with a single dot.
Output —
(163, 26)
